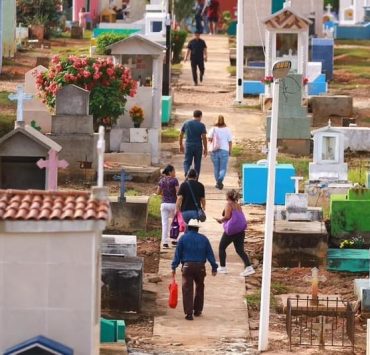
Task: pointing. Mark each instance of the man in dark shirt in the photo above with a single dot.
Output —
(196, 141)
(197, 49)
(192, 251)
(185, 203)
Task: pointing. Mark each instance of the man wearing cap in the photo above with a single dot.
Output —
(197, 49)
(192, 251)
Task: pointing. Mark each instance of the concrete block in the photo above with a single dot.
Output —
(359, 285)
(65, 124)
(299, 244)
(313, 213)
(295, 146)
(129, 216)
(324, 107)
(138, 135)
(129, 159)
(291, 128)
(122, 283)
(135, 148)
(296, 207)
(119, 244)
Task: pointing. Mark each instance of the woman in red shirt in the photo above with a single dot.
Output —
(212, 13)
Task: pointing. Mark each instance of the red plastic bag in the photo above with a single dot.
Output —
(172, 299)
(181, 222)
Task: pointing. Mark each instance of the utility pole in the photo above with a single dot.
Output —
(167, 65)
(279, 71)
(239, 52)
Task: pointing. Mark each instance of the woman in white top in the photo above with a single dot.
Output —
(220, 138)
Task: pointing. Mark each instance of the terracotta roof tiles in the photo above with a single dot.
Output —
(51, 205)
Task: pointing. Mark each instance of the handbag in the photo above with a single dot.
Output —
(201, 214)
(216, 145)
(174, 293)
(236, 224)
(175, 228)
(182, 224)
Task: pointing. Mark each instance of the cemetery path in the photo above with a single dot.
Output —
(224, 325)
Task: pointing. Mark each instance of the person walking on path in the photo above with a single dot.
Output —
(199, 5)
(167, 187)
(197, 49)
(192, 251)
(213, 10)
(195, 142)
(235, 224)
(220, 138)
(185, 202)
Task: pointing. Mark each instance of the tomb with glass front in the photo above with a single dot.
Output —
(328, 155)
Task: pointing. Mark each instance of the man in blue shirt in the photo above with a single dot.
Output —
(196, 142)
(192, 251)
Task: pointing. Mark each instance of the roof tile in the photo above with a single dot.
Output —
(51, 205)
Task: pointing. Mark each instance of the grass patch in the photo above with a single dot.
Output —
(357, 175)
(5, 102)
(6, 123)
(231, 70)
(154, 208)
(177, 66)
(300, 164)
(154, 233)
(237, 150)
(170, 134)
(249, 107)
(254, 299)
(66, 51)
(132, 192)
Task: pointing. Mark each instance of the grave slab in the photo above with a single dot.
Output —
(77, 100)
(299, 244)
(122, 283)
(119, 244)
(359, 286)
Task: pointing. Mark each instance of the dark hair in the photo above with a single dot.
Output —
(233, 195)
(197, 32)
(197, 113)
(191, 228)
(168, 170)
(192, 174)
(220, 121)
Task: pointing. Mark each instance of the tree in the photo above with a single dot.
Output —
(183, 9)
(41, 12)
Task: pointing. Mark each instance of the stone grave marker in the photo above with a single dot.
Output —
(119, 245)
(20, 96)
(72, 128)
(314, 279)
(34, 109)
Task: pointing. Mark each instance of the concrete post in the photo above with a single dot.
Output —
(1, 34)
(240, 53)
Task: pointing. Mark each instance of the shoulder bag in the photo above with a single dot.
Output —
(236, 224)
(201, 214)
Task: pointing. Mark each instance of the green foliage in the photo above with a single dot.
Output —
(5, 102)
(105, 40)
(154, 233)
(183, 9)
(154, 208)
(38, 12)
(231, 70)
(178, 39)
(170, 133)
(334, 3)
(236, 150)
(357, 175)
(226, 20)
(254, 299)
(6, 123)
(353, 243)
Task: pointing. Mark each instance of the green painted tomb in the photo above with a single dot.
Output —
(112, 331)
(348, 260)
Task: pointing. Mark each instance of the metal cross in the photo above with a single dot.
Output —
(20, 96)
(51, 165)
(314, 279)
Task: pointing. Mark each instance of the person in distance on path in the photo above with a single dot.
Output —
(192, 251)
(196, 142)
(197, 49)
(235, 224)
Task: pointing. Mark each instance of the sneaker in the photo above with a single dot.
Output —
(189, 317)
(165, 246)
(247, 271)
(222, 270)
(197, 314)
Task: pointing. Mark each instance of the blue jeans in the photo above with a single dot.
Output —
(188, 215)
(220, 158)
(193, 152)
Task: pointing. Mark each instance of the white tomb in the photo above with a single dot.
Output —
(352, 12)
(328, 155)
(145, 58)
(34, 109)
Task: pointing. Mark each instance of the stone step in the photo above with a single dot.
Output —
(135, 159)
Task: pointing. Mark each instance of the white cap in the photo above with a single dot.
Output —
(194, 223)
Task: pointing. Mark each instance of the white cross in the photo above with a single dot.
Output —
(328, 8)
(101, 150)
(20, 96)
(314, 279)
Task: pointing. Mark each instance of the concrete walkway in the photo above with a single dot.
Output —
(223, 327)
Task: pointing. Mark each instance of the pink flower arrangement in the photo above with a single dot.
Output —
(109, 84)
(267, 80)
